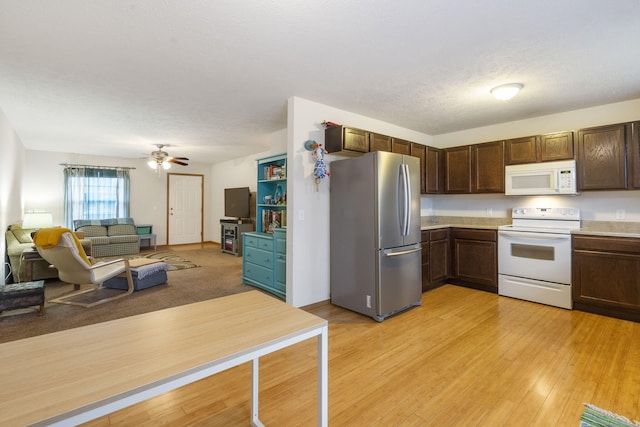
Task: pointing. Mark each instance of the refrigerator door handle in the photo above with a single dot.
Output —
(407, 199)
(410, 251)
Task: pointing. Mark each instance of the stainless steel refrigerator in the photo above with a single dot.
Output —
(375, 234)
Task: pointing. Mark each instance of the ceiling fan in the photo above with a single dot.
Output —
(160, 158)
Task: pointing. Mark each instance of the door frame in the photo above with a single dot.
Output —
(169, 174)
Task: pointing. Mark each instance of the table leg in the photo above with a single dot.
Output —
(255, 420)
(323, 377)
(28, 270)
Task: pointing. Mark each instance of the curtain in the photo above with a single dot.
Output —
(95, 193)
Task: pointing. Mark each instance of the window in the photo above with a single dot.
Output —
(95, 193)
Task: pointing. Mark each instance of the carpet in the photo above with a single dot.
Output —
(175, 261)
(218, 275)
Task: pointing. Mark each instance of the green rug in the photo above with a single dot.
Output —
(598, 417)
(175, 261)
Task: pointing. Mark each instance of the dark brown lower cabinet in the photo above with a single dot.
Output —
(439, 259)
(435, 258)
(606, 276)
(425, 259)
(475, 258)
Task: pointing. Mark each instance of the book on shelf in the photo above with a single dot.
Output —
(272, 219)
(274, 172)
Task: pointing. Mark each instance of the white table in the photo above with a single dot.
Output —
(73, 376)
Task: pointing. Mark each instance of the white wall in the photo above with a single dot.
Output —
(308, 210)
(238, 173)
(12, 163)
(620, 112)
(44, 187)
(594, 205)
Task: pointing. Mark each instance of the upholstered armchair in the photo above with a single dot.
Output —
(61, 248)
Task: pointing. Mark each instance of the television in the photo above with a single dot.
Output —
(236, 202)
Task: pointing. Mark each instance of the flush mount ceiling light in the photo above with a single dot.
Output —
(506, 92)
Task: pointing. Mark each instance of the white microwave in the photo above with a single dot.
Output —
(537, 179)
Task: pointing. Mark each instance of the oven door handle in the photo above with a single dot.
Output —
(535, 235)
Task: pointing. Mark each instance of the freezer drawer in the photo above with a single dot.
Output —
(399, 282)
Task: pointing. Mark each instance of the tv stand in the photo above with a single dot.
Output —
(231, 235)
(236, 220)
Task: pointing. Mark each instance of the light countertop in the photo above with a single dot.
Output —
(435, 222)
(609, 228)
(595, 228)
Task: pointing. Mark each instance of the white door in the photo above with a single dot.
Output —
(185, 209)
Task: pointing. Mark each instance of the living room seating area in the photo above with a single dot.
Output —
(109, 237)
(99, 238)
(20, 245)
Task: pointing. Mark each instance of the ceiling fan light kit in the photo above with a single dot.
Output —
(507, 91)
(162, 159)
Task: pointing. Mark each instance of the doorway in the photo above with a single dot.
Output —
(184, 208)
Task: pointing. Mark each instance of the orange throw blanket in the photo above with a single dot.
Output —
(48, 238)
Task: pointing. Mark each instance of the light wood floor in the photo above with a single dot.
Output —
(465, 357)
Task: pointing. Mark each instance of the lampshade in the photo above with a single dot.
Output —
(37, 219)
(506, 92)
(154, 164)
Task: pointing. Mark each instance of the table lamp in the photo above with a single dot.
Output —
(37, 219)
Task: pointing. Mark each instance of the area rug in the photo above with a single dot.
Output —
(598, 417)
(175, 261)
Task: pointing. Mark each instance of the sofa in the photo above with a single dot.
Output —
(109, 237)
(19, 240)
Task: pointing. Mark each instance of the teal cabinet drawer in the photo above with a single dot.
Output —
(265, 244)
(258, 273)
(250, 240)
(260, 257)
(281, 270)
(281, 246)
(280, 287)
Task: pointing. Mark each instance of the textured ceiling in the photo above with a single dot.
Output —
(212, 77)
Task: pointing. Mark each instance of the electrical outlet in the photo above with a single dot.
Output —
(489, 212)
(368, 301)
(620, 214)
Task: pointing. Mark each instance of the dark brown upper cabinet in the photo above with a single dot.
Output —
(379, 142)
(457, 169)
(420, 151)
(634, 156)
(602, 159)
(346, 141)
(487, 167)
(556, 146)
(435, 170)
(539, 148)
(521, 150)
(400, 146)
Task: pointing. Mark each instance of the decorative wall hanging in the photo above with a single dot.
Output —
(318, 152)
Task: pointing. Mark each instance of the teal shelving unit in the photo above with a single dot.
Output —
(264, 255)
